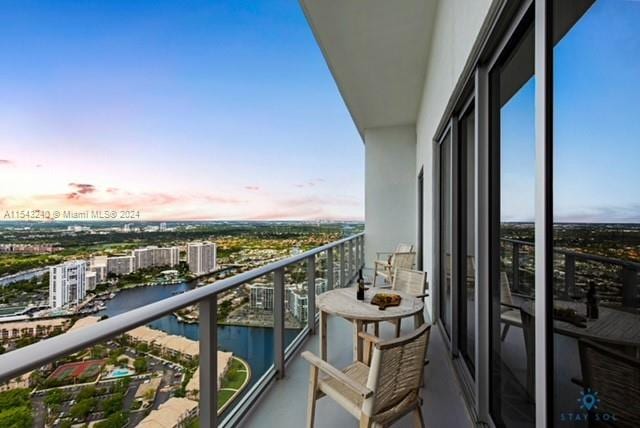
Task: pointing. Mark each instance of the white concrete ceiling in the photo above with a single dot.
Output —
(377, 53)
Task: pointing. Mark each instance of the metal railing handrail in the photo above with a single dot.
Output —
(20, 361)
(581, 256)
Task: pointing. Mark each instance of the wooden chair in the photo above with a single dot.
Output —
(616, 378)
(509, 313)
(380, 390)
(529, 332)
(413, 282)
(398, 260)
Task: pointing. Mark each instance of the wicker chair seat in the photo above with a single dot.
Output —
(357, 371)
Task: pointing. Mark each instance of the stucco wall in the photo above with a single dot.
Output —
(390, 189)
(457, 25)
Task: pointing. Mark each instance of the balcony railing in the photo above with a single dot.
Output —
(350, 256)
(566, 273)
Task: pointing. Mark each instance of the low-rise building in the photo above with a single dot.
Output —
(147, 391)
(165, 344)
(84, 322)
(23, 381)
(224, 362)
(173, 413)
(35, 328)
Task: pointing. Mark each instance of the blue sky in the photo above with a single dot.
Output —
(596, 123)
(205, 109)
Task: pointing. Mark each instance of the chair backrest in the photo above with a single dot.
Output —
(616, 379)
(505, 290)
(396, 372)
(402, 261)
(412, 282)
(403, 248)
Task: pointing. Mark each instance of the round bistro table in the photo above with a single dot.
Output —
(342, 302)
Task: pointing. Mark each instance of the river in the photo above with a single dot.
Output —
(21, 276)
(253, 344)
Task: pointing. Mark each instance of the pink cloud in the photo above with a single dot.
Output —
(252, 188)
(6, 162)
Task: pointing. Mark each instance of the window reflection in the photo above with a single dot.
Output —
(596, 259)
(512, 169)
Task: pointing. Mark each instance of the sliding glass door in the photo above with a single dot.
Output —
(445, 220)
(596, 214)
(511, 235)
(467, 240)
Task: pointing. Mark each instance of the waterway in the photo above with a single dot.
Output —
(20, 276)
(253, 344)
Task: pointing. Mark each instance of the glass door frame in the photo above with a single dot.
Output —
(474, 88)
(448, 133)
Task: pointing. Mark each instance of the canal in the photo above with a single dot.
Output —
(253, 344)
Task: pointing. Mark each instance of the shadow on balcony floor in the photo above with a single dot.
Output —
(285, 403)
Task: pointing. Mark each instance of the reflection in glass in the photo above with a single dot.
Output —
(468, 242)
(445, 233)
(596, 213)
(512, 171)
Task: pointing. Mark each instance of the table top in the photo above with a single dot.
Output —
(613, 325)
(342, 302)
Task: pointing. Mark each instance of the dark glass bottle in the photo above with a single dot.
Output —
(360, 292)
(592, 302)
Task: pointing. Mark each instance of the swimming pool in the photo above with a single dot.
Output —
(120, 372)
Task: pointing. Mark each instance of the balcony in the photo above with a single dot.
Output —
(279, 391)
(443, 403)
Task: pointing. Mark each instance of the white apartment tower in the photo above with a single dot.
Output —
(155, 256)
(67, 283)
(201, 257)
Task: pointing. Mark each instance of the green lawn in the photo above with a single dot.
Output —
(236, 376)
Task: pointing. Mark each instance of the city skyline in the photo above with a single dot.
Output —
(207, 112)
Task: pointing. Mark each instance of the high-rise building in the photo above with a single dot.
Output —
(201, 257)
(155, 256)
(90, 280)
(296, 303)
(67, 283)
(120, 265)
(261, 297)
(98, 264)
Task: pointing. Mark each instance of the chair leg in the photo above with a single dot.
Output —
(505, 330)
(418, 419)
(375, 275)
(398, 323)
(365, 421)
(376, 329)
(313, 388)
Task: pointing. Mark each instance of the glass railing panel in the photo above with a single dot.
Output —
(295, 300)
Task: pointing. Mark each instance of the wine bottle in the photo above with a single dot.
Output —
(360, 292)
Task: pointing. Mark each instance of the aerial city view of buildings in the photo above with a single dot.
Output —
(84, 274)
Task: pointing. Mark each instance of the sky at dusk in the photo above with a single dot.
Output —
(198, 110)
(596, 124)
